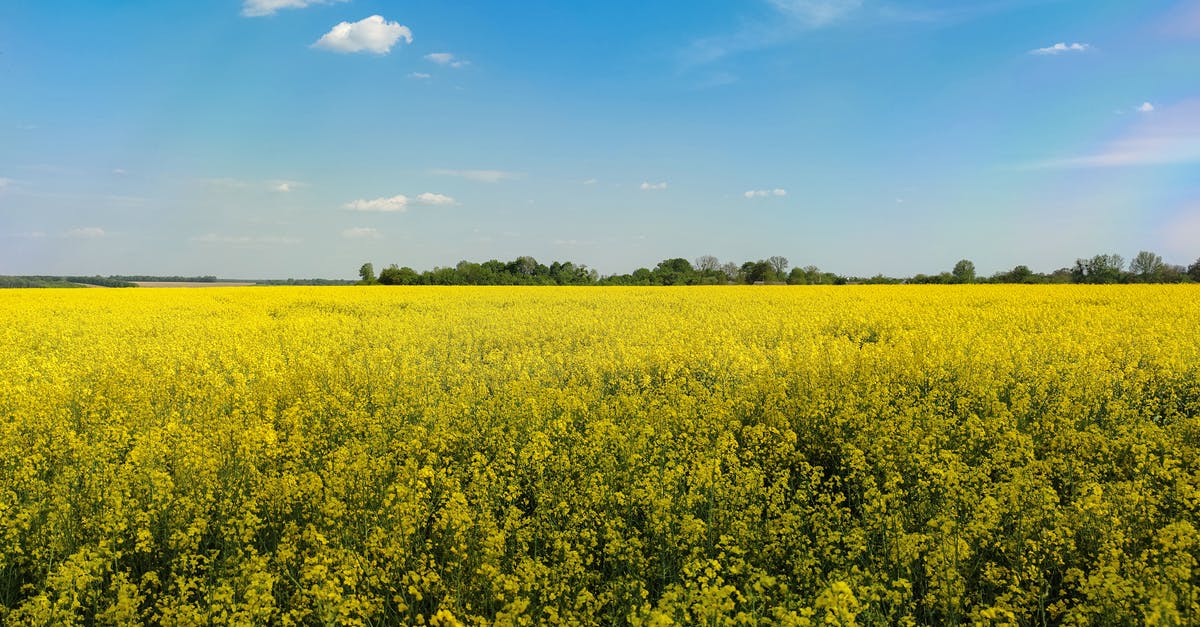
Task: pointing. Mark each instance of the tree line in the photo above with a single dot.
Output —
(1145, 267)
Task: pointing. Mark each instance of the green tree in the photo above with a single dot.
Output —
(964, 271)
(1147, 266)
(677, 271)
(779, 264)
(1099, 269)
(757, 271)
(393, 275)
(367, 273)
(1193, 271)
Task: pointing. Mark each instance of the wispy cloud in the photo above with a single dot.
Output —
(5, 183)
(259, 8)
(481, 176)
(763, 193)
(398, 203)
(1146, 107)
(447, 59)
(361, 232)
(394, 204)
(789, 20)
(284, 187)
(816, 13)
(86, 232)
(432, 199)
(1170, 136)
(419, 75)
(373, 34)
(648, 186)
(28, 235)
(1060, 48)
(242, 240)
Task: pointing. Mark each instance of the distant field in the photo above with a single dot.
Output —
(191, 284)
(895, 455)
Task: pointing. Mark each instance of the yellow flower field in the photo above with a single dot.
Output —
(651, 456)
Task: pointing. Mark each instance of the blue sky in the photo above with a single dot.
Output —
(277, 138)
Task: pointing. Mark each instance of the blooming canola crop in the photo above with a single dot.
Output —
(872, 455)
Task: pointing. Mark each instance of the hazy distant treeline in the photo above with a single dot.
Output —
(62, 281)
(1145, 267)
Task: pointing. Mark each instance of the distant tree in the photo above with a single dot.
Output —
(1021, 274)
(964, 271)
(677, 271)
(1099, 269)
(731, 272)
(393, 275)
(811, 275)
(524, 265)
(1193, 271)
(1146, 266)
(757, 272)
(367, 274)
(707, 264)
(779, 265)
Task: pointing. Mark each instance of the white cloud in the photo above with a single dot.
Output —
(763, 193)
(430, 198)
(648, 186)
(86, 232)
(284, 187)
(1170, 136)
(590, 181)
(213, 238)
(815, 13)
(259, 8)
(481, 176)
(1062, 47)
(1146, 107)
(360, 232)
(5, 182)
(398, 203)
(120, 171)
(419, 75)
(395, 204)
(446, 58)
(373, 34)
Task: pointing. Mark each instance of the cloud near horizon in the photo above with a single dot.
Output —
(361, 232)
(373, 34)
(214, 238)
(648, 186)
(481, 176)
(1060, 48)
(398, 203)
(763, 193)
(86, 232)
